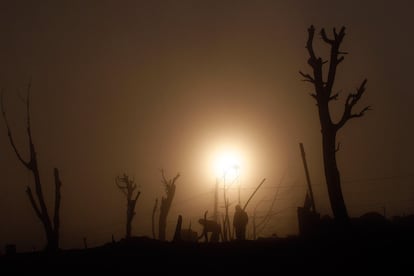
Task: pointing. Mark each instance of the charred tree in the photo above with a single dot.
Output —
(177, 233)
(154, 210)
(50, 225)
(128, 186)
(169, 186)
(323, 83)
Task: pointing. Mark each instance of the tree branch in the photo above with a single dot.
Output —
(309, 46)
(337, 147)
(58, 185)
(33, 202)
(137, 196)
(361, 113)
(350, 102)
(325, 37)
(164, 180)
(118, 182)
(314, 62)
(9, 134)
(29, 131)
(335, 60)
(33, 159)
(175, 178)
(307, 77)
(334, 97)
(168, 184)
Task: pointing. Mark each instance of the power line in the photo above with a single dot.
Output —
(382, 178)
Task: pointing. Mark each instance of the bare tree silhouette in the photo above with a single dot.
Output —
(169, 186)
(37, 200)
(128, 186)
(323, 95)
(154, 210)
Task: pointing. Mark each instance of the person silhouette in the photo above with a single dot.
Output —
(240, 221)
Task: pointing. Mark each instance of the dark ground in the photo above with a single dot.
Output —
(372, 245)
(289, 256)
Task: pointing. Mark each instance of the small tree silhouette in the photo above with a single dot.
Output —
(154, 210)
(128, 186)
(169, 186)
(323, 95)
(37, 199)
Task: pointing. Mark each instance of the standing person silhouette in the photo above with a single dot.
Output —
(240, 221)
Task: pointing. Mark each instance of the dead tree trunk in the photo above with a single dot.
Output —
(166, 204)
(154, 210)
(177, 233)
(128, 186)
(51, 228)
(323, 95)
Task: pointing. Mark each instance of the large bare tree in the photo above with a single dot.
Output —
(37, 200)
(169, 185)
(127, 185)
(323, 84)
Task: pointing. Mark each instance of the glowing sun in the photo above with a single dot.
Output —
(227, 164)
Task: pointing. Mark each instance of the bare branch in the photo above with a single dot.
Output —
(164, 180)
(58, 185)
(311, 34)
(137, 196)
(9, 134)
(314, 62)
(334, 97)
(337, 147)
(352, 99)
(350, 102)
(33, 202)
(307, 77)
(29, 131)
(325, 37)
(339, 36)
(335, 59)
(361, 113)
(119, 181)
(169, 184)
(175, 178)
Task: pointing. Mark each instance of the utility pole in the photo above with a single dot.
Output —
(216, 192)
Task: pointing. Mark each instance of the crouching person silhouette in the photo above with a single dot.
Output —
(209, 226)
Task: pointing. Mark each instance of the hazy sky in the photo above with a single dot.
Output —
(135, 86)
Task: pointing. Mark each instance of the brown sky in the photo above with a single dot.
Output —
(134, 86)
